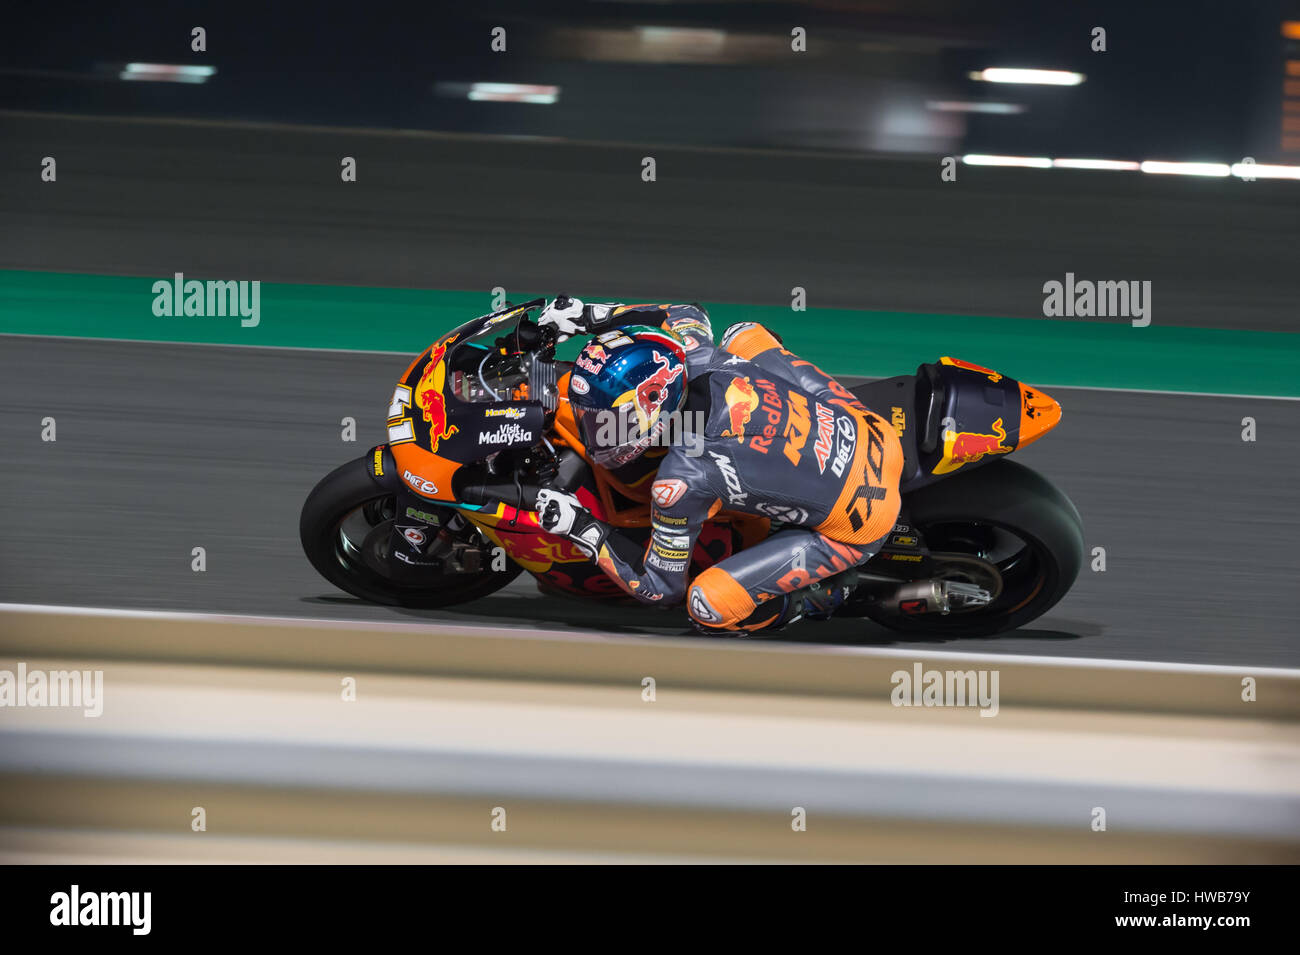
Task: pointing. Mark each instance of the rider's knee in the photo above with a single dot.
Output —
(716, 599)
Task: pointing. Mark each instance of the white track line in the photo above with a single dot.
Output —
(1158, 391)
(163, 341)
(489, 632)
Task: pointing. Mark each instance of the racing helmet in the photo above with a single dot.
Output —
(624, 386)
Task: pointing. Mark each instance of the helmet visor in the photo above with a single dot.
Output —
(613, 436)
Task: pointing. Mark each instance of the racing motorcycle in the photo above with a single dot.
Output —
(443, 512)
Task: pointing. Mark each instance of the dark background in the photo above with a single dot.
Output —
(1199, 526)
(1190, 80)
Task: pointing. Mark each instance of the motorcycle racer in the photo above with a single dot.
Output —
(774, 436)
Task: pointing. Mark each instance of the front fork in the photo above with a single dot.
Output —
(424, 535)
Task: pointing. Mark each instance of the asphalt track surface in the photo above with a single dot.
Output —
(162, 448)
(434, 211)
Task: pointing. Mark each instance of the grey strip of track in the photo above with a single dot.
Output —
(162, 448)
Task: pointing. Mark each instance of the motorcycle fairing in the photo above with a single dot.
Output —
(954, 415)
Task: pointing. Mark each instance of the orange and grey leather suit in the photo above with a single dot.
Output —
(782, 439)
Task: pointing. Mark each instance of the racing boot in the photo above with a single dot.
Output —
(821, 599)
(817, 601)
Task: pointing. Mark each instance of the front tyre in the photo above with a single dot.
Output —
(346, 533)
(1004, 517)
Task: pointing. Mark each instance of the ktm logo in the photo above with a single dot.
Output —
(898, 418)
(797, 426)
(869, 492)
(666, 493)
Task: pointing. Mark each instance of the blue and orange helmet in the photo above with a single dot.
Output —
(625, 385)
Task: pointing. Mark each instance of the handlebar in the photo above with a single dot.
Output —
(528, 336)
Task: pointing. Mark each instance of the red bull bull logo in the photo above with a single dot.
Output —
(742, 401)
(966, 447)
(649, 396)
(538, 552)
(429, 397)
(993, 376)
(653, 392)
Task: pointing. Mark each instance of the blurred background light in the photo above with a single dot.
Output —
(681, 40)
(1096, 164)
(513, 93)
(1246, 170)
(1185, 168)
(167, 73)
(961, 106)
(999, 74)
(1032, 162)
(664, 44)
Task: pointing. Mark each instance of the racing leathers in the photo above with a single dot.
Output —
(773, 436)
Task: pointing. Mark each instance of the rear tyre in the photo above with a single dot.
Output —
(1000, 506)
(342, 529)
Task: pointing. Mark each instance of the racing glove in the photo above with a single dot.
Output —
(562, 514)
(568, 315)
(571, 316)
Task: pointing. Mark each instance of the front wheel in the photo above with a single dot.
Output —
(347, 533)
(1002, 527)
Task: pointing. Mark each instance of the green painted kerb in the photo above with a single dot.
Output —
(843, 341)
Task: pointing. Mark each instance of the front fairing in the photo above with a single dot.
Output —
(464, 398)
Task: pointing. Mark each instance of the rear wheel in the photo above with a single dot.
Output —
(1003, 528)
(347, 533)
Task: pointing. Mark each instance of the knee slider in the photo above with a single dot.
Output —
(716, 599)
